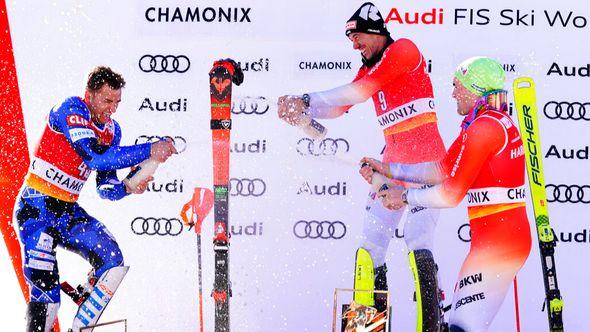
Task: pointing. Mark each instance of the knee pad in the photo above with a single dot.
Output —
(90, 310)
(41, 316)
(427, 294)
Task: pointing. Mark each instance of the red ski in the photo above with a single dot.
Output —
(221, 76)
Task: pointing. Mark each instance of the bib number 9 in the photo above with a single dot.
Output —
(382, 101)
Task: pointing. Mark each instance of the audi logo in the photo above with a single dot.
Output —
(326, 147)
(156, 226)
(164, 63)
(567, 111)
(563, 193)
(179, 141)
(247, 187)
(250, 105)
(313, 229)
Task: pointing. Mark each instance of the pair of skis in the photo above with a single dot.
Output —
(525, 100)
(222, 75)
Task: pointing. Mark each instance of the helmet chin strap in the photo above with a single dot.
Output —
(494, 100)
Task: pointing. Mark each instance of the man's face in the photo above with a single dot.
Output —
(368, 44)
(465, 98)
(103, 103)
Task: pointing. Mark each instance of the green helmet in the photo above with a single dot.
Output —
(481, 75)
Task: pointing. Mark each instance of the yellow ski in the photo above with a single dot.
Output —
(364, 278)
(525, 101)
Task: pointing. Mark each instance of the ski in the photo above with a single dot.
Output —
(525, 101)
(221, 76)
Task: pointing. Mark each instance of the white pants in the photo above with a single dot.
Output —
(380, 224)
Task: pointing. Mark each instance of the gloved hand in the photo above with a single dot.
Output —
(291, 109)
(238, 76)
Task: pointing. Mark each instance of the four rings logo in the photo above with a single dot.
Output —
(247, 187)
(179, 141)
(156, 226)
(319, 229)
(250, 105)
(564, 193)
(567, 110)
(326, 147)
(164, 63)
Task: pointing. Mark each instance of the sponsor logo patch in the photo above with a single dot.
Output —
(77, 134)
(76, 120)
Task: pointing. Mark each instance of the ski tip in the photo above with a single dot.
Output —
(524, 83)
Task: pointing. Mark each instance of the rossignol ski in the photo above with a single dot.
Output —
(525, 100)
(221, 76)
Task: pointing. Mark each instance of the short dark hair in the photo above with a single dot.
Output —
(101, 75)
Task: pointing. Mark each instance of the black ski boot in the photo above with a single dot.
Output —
(428, 303)
(381, 284)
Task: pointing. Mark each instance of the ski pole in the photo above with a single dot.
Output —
(200, 205)
(516, 307)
